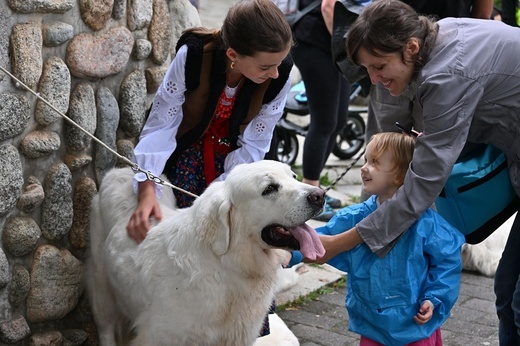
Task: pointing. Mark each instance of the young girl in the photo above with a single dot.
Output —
(217, 107)
(405, 297)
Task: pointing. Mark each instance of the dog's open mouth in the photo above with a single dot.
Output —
(276, 235)
(302, 237)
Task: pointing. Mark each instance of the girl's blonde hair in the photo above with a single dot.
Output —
(401, 147)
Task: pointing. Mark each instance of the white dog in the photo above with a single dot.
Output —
(484, 256)
(204, 275)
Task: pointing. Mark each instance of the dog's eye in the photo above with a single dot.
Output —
(272, 188)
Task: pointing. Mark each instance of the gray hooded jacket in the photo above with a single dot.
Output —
(469, 90)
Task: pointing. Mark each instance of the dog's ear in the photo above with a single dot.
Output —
(220, 244)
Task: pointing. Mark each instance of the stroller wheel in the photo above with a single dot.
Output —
(351, 139)
(287, 148)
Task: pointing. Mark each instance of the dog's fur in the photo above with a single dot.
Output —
(483, 257)
(204, 275)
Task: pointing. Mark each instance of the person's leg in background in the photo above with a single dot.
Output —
(328, 98)
(328, 112)
(507, 289)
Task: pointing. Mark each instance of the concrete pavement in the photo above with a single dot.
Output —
(325, 321)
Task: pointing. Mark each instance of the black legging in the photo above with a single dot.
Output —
(328, 97)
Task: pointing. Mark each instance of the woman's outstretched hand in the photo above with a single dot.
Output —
(147, 207)
(336, 244)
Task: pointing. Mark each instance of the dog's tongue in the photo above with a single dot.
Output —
(310, 244)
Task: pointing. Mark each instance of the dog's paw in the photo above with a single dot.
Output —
(286, 278)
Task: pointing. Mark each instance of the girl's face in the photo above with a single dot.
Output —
(378, 175)
(260, 67)
(388, 69)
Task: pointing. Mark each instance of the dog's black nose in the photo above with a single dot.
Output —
(317, 197)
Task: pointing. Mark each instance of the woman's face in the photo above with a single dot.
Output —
(388, 69)
(260, 67)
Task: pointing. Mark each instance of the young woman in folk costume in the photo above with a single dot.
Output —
(217, 106)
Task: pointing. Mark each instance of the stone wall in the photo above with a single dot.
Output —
(99, 62)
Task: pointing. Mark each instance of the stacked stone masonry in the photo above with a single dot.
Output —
(99, 63)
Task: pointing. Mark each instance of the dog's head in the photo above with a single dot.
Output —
(265, 202)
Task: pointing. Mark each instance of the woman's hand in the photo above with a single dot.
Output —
(425, 313)
(336, 244)
(328, 243)
(147, 207)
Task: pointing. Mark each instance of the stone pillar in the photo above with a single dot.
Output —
(98, 63)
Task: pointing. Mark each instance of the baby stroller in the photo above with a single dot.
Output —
(348, 142)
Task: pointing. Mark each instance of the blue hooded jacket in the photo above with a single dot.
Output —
(385, 293)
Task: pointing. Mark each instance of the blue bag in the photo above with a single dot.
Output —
(478, 196)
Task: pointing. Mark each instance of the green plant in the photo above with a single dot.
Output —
(355, 199)
(314, 295)
(325, 180)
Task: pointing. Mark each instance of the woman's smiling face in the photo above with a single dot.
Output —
(388, 69)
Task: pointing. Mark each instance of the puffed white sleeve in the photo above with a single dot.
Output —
(255, 141)
(157, 140)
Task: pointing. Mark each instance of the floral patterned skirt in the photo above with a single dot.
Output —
(188, 173)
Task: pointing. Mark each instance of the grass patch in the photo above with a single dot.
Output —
(314, 295)
(325, 180)
(355, 199)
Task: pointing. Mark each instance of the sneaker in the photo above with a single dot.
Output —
(333, 202)
(326, 214)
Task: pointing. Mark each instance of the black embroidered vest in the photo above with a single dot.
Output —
(205, 74)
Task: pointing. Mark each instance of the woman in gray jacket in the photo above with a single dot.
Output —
(465, 75)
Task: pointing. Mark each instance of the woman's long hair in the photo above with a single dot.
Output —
(252, 26)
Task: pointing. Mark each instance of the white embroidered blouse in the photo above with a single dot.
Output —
(157, 140)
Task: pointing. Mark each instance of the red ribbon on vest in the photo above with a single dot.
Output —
(216, 137)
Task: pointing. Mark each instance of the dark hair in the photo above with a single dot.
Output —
(385, 26)
(253, 26)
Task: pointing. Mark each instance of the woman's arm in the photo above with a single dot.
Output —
(156, 144)
(327, 11)
(340, 233)
(336, 244)
(482, 9)
(442, 246)
(147, 207)
(157, 140)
